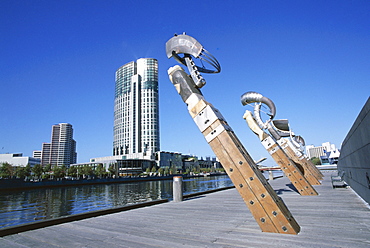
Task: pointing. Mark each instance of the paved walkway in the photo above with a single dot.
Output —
(335, 218)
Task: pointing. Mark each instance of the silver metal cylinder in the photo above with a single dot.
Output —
(177, 188)
(271, 176)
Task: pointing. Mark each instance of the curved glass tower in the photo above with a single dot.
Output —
(136, 117)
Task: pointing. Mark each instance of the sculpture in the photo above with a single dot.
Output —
(267, 208)
(283, 145)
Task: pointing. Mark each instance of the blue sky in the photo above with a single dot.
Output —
(58, 59)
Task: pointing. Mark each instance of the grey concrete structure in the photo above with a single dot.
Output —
(354, 160)
(335, 218)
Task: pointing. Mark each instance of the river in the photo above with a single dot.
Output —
(20, 207)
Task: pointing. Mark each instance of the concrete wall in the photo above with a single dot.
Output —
(354, 159)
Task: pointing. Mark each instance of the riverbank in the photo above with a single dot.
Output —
(19, 184)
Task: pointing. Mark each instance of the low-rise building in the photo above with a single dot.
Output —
(17, 159)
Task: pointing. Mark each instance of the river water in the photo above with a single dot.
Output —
(20, 207)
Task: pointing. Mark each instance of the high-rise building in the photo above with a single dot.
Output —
(62, 148)
(136, 114)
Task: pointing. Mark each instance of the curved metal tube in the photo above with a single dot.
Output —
(187, 45)
(251, 97)
(282, 129)
(254, 97)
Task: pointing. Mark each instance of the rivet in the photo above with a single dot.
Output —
(263, 220)
(251, 202)
(241, 185)
(274, 213)
(231, 169)
(251, 178)
(284, 229)
(263, 195)
(240, 162)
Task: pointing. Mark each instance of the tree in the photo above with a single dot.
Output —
(47, 168)
(72, 171)
(112, 169)
(27, 170)
(196, 169)
(20, 172)
(37, 170)
(6, 170)
(160, 171)
(315, 161)
(58, 172)
(173, 169)
(154, 169)
(47, 171)
(100, 170)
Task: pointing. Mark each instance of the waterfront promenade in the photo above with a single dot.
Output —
(335, 218)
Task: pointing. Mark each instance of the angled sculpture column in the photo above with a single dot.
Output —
(302, 175)
(267, 208)
(299, 158)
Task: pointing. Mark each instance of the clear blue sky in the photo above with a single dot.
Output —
(58, 59)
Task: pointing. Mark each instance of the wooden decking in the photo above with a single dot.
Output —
(335, 218)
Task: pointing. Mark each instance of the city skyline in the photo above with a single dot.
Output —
(58, 62)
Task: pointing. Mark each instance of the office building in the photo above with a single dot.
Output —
(136, 117)
(62, 148)
(17, 159)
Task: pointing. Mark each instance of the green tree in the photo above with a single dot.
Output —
(161, 171)
(154, 169)
(173, 169)
(6, 170)
(47, 168)
(315, 161)
(196, 169)
(47, 171)
(27, 170)
(58, 171)
(72, 171)
(89, 171)
(37, 170)
(112, 170)
(20, 172)
(100, 170)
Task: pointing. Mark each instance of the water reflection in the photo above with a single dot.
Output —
(19, 207)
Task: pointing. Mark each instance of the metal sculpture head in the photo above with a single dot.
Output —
(189, 48)
(277, 128)
(254, 97)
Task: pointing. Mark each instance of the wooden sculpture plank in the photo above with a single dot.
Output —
(267, 208)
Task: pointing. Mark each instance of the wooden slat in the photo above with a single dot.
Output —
(308, 171)
(291, 170)
(267, 208)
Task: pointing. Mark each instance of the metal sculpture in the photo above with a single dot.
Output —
(267, 208)
(283, 145)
